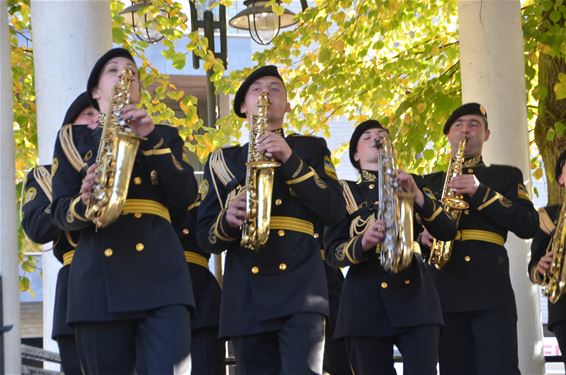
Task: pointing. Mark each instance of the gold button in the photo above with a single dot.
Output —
(282, 266)
(108, 252)
(137, 215)
(467, 258)
(371, 186)
(407, 282)
(315, 235)
(470, 170)
(140, 246)
(137, 180)
(466, 212)
(255, 270)
(384, 285)
(186, 231)
(278, 202)
(280, 232)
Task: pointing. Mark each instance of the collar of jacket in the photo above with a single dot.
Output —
(474, 161)
(367, 176)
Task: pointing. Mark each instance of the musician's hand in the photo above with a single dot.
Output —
(426, 238)
(138, 120)
(373, 235)
(88, 182)
(236, 211)
(276, 145)
(464, 184)
(543, 264)
(408, 184)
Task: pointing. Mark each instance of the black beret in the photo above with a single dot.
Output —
(360, 129)
(559, 164)
(81, 103)
(264, 71)
(97, 70)
(466, 109)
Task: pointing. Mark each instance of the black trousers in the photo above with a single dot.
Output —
(155, 344)
(296, 348)
(70, 363)
(559, 330)
(374, 355)
(207, 352)
(479, 342)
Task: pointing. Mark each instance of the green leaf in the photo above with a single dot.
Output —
(550, 133)
(559, 127)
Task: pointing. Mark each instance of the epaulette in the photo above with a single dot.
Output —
(351, 204)
(546, 224)
(220, 168)
(43, 178)
(68, 146)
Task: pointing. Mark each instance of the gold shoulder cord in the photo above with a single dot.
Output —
(546, 224)
(43, 178)
(351, 205)
(68, 146)
(220, 168)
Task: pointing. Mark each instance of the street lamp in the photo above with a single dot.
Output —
(142, 22)
(262, 23)
(209, 25)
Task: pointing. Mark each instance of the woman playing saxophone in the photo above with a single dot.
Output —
(547, 257)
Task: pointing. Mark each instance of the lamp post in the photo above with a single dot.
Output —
(141, 22)
(208, 24)
(263, 24)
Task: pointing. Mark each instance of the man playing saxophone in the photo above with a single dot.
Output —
(129, 287)
(38, 226)
(275, 299)
(480, 315)
(541, 256)
(380, 308)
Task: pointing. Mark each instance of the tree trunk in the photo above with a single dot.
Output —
(550, 110)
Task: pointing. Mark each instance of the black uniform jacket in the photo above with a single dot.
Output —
(377, 303)
(137, 262)
(477, 275)
(38, 226)
(548, 217)
(286, 276)
(206, 289)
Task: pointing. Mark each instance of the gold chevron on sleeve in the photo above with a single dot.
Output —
(69, 149)
(43, 178)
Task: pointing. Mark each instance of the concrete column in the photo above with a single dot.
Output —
(68, 38)
(8, 214)
(493, 73)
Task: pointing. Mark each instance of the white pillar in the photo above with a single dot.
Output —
(68, 37)
(493, 73)
(8, 212)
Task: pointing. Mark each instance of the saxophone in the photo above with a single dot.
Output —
(454, 204)
(396, 210)
(555, 279)
(259, 182)
(115, 158)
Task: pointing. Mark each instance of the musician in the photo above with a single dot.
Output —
(480, 333)
(207, 350)
(335, 356)
(378, 308)
(274, 300)
(38, 226)
(541, 259)
(129, 284)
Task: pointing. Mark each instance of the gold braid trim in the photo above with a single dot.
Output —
(351, 205)
(220, 168)
(68, 146)
(43, 178)
(546, 224)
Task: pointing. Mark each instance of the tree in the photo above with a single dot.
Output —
(393, 60)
